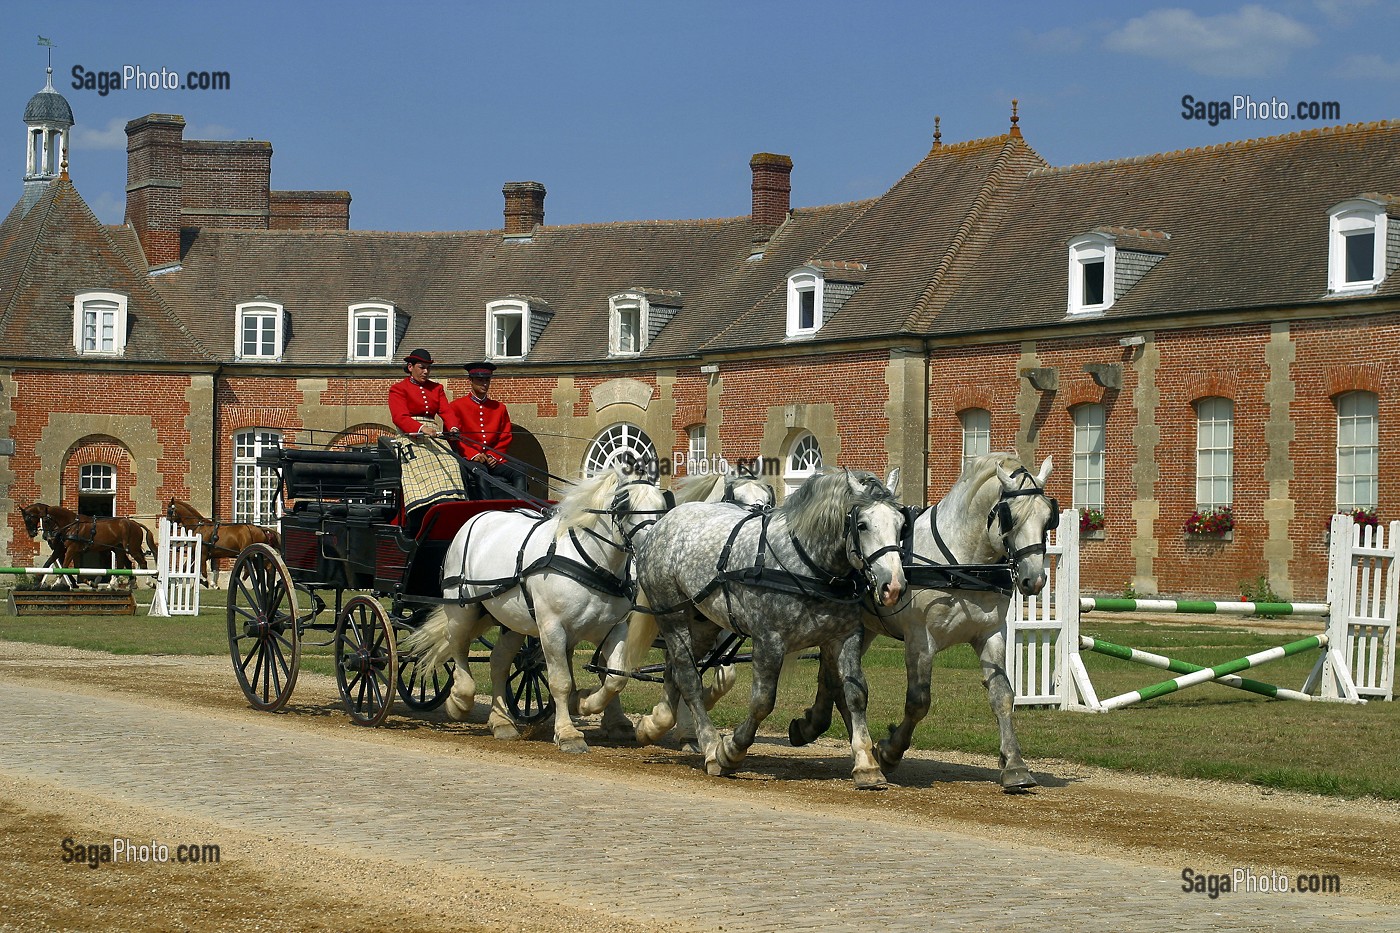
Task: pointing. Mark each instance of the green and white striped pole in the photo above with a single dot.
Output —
(1213, 673)
(1203, 606)
(1186, 667)
(79, 571)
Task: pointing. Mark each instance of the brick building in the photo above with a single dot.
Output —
(1195, 329)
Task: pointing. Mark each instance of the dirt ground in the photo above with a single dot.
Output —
(1212, 826)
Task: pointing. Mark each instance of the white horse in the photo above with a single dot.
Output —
(996, 515)
(562, 579)
(733, 487)
(788, 579)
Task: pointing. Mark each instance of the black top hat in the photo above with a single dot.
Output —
(484, 369)
(419, 356)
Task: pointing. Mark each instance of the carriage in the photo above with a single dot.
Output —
(345, 529)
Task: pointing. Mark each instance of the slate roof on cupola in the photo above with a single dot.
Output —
(48, 106)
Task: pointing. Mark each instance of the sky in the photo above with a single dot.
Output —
(651, 110)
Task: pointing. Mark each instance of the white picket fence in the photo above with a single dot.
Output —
(177, 571)
(1043, 639)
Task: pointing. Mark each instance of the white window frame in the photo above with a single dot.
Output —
(100, 302)
(97, 479)
(805, 280)
(1348, 219)
(1089, 448)
(803, 461)
(254, 487)
(623, 443)
(495, 312)
(374, 311)
(258, 309)
(697, 448)
(628, 303)
(1084, 251)
(1215, 453)
(976, 433)
(1358, 451)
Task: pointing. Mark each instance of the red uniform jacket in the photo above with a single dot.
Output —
(481, 423)
(407, 399)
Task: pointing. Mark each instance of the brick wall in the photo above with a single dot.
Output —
(153, 177)
(309, 210)
(226, 184)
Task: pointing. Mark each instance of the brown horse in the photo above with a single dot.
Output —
(71, 535)
(221, 539)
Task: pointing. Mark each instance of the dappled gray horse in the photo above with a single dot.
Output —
(788, 579)
(996, 516)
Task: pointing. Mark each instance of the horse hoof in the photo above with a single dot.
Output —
(572, 746)
(1017, 780)
(713, 768)
(889, 760)
(871, 779)
(507, 733)
(797, 733)
(458, 710)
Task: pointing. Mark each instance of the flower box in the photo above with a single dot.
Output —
(1215, 522)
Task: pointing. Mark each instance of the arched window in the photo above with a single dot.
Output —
(1215, 453)
(976, 433)
(372, 332)
(1358, 451)
(254, 487)
(804, 460)
(1088, 456)
(622, 444)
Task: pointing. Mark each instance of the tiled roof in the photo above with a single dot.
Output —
(58, 249)
(1248, 226)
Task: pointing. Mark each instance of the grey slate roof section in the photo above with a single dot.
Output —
(1129, 268)
(48, 106)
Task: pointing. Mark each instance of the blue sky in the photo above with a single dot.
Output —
(651, 110)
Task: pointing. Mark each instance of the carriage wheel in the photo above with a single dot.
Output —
(527, 686)
(366, 661)
(264, 638)
(423, 689)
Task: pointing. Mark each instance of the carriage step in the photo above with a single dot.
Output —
(71, 603)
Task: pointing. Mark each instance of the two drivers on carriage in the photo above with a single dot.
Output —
(477, 425)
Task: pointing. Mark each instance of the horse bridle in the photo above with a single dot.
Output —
(619, 502)
(1001, 512)
(867, 561)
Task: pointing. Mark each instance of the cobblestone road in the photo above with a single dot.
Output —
(709, 860)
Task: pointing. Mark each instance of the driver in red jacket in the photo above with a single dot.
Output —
(485, 431)
(415, 402)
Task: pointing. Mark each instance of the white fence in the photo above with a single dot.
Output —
(1043, 640)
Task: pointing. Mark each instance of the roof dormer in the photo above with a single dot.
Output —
(1358, 231)
(513, 325)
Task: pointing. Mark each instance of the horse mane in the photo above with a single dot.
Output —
(695, 487)
(817, 510)
(975, 473)
(588, 502)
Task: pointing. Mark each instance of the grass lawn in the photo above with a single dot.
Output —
(1209, 731)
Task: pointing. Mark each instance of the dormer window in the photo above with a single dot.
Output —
(1356, 259)
(99, 323)
(259, 331)
(372, 332)
(627, 324)
(804, 302)
(1091, 273)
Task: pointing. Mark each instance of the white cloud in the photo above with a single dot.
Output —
(1369, 68)
(109, 208)
(113, 136)
(1250, 42)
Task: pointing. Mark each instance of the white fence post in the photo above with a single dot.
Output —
(177, 576)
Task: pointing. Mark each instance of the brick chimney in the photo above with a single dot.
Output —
(154, 182)
(772, 188)
(524, 207)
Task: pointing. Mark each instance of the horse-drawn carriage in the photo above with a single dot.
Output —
(345, 528)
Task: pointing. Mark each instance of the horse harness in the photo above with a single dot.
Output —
(587, 573)
(922, 571)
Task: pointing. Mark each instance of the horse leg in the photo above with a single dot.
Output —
(681, 668)
(461, 625)
(554, 641)
(607, 698)
(817, 717)
(918, 671)
(1015, 776)
(651, 727)
(503, 653)
(866, 771)
(767, 664)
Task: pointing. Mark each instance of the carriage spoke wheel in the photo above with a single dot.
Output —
(264, 637)
(366, 661)
(527, 685)
(421, 687)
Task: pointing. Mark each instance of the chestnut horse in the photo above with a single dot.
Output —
(72, 535)
(220, 539)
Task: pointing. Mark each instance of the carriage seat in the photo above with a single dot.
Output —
(326, 474)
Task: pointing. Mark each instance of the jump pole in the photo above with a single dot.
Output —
(1165, 663)
(1213, 673)
(1202, 606)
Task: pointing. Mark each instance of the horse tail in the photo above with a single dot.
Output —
(149, 540)
(641, 632)
(272, 538)
(432, 641)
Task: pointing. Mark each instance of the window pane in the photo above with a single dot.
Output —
(1215, 453)
(509, 339)
(1361, 256)
(1358, 451)
(977, 433)
(1093, 283)
(1088, 456)
(807, 313)
(254, 487)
